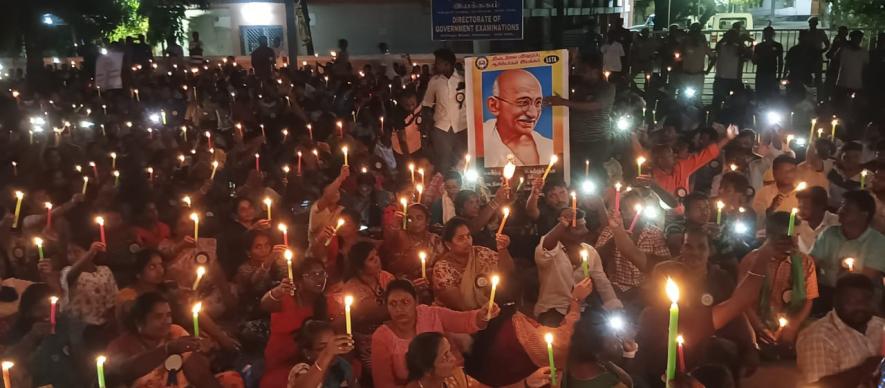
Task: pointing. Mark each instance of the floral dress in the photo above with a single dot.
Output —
(91, 297)
(448, 273)
(404, 262)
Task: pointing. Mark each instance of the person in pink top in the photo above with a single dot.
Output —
(672, 175)
(390, 342)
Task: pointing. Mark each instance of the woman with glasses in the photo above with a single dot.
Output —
(366, 282)
(409, 319)
(402, 246)
(289, 306)
(462, 276)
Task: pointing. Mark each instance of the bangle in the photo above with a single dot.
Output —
(631, 354)
(315, 365)
(751, 273)
(270, 295)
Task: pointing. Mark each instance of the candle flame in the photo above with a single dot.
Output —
(720, 205)
(201, 270)
(195, 217)
(267, 201)
(553, 159)
(53, 299)
(618, 186)
(197, 307)
(282, 227)
(801, 186)
(48, 205)
(495, 280)
(509, 170)
(38, 241)
(6, 365)
(672, 290)
(420, 188)
(548, 338)
(640, 160)
(100, 360)
(340, 222)
(99, 220)
(585, 254)
(506, 211)
(849, 263)
(348, 300)
(422, 256)
(864, 173)
(794, 211)
(782, 322)
(680, 340)
(403, 201)
(288, 255)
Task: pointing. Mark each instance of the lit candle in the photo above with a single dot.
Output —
(201, 271)
(116, 177)
(639, 162)
(833, 123)
(99, 369)
(344, 150)
(285, 230)
(863, 178)
(506, 211)
(48, 206)
(348, 301)
(298, 168)
(719, 206)
(466, 164)
(7, 380)
(638, 209)
(85, 185)
(100, 221)
(150, 171)
(801, 186)
(94, 169)
(39, 243)
(548, 338)
(553, 160)
(196, 219)
(196, 311)
(14, 168)
(257, 162)
(19, 195)
(585, 262)
(310, 132)
(113, 160)
(423, 257)
(673, 294)
(574, 209)
(285, 131)
(509, 170)
(412, 171)
(495, 280)
(606, 74)
(53, 307)
(340, 128)
(617, 196)
(848, 263)
(792, 225)
(337, 226)
(287, 254)
(782, 322)
(403, 201)
(420, 189)
(680, 349)
(214, 169)
(269, 205)
(587, 166)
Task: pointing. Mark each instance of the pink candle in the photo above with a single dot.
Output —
(100, 221)
(53, 305)
(48, 215)
(299, 163)
(638, 209)
(257, 164)
(618, 196)
(680, 343)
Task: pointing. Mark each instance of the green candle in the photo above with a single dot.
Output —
(18, 207)
(196, 311)
(673, 293)
(99, 369)
(792, 225)
(549, 339)
(39, 243)
(585, 262)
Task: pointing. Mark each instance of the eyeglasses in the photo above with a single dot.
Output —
(524, 103)
(315, 275)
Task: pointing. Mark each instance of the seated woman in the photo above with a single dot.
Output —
(289, 306)
(401, 246)
(432, 364)
(148, 228)
(234, 233)
(366, 282)
(154, 352)
(595, 346)
(334, 255)
(43, 357)
(89, 289)
(264, 266)
(469, 207)
(408, 319)
(461, 276)
(322, 364)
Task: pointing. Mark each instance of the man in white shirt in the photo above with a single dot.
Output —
(730, 54)
(517, 103)
(560, 266)
(446, 96)
(852, 60)
(780, 195)
(813, 217)
(844, 348)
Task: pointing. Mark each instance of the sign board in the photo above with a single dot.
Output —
(107, 70)
(477, 19)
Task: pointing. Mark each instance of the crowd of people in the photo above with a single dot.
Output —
(316, 223)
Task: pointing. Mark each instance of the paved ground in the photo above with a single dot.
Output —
(781, 374)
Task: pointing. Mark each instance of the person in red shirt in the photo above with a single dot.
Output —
(149, 230)
(672, 175)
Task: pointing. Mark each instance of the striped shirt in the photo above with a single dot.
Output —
(830, 346)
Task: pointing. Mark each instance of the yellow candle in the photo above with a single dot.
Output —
(337, 226)
(288, 255)
(268, 204)
(412, 171)
(574, 209)
(196, 219)
(201, 271)
(495, 281)
(719, 206)
(85, 184)
(420, 189)
(466, 165)
(344, 150)
(348, 301)
(553, 160)
(585, 262)
(7, 380)
(421, 172)
(423, 257)
(214, 169)
(18, 207)
(405, 204)
(506, 211)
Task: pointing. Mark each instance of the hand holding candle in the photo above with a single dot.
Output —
(100, 221)
(348, 301)
(506, 213)
(196, 312)
(548, 338)
(495, 280)
(334, 232)
(553, 160)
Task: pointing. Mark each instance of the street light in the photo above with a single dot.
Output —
(47, 19)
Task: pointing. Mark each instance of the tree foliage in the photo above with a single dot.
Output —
(859, 13)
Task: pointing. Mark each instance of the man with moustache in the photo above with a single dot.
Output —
(517, 103)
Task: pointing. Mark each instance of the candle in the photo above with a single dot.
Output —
(340, 128)
(801, 186)
(466, 164)
(617, 196)
(680, 348)
(811, 131)
(310, 132)
(196, 219)
(495, 280)
(833, 123)
(263, 133)
(792, 225)
(201, 271)
(719, 206)
(405, 204)
(150, 171)
(638, 210)
(187, 200)
(19, 195)
(639, 162)
(113, 160)
(257, 162)
(587, 166)
(606, 74)
(287, 254)
(863, 178)
(85, 185)
(48, 206)
(574, 209)
(214, 169)
(298, 169)
(196, 311)
(100, 221)
(548, 338)
(848, 263)
(94, 169)
(553, 159)
(99, 369)
(337, 226)
(39, 243)
(285, 131)
(506, 211)
(673, 294)
(412, 171)
(782, 322)
(116, 175)
(269, 205)
(423, 257)
(820, 132)
(285, 230)
(7, 380)
(421, 172)
(585, 262)
(53, 307)
(344, 150)
(348, 300)
(420, 189)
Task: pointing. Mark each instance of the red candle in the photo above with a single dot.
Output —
(618, 196)
(299, 163)
(680, 342)
(283, 228)
(100, 221)
(257, 166)
(94, 169)
(53, 305)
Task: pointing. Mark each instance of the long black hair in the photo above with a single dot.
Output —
(143, 306)
(422, 354)
(320, 307)
(30, 299)
(356, 259)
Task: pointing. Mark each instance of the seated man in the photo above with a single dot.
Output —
(779, 195)
(843, 349)
(854, 239)
(672, 174)
(814, 216)
(546, 213)
(791, 287)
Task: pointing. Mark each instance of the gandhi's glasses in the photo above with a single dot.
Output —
(524, 103)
